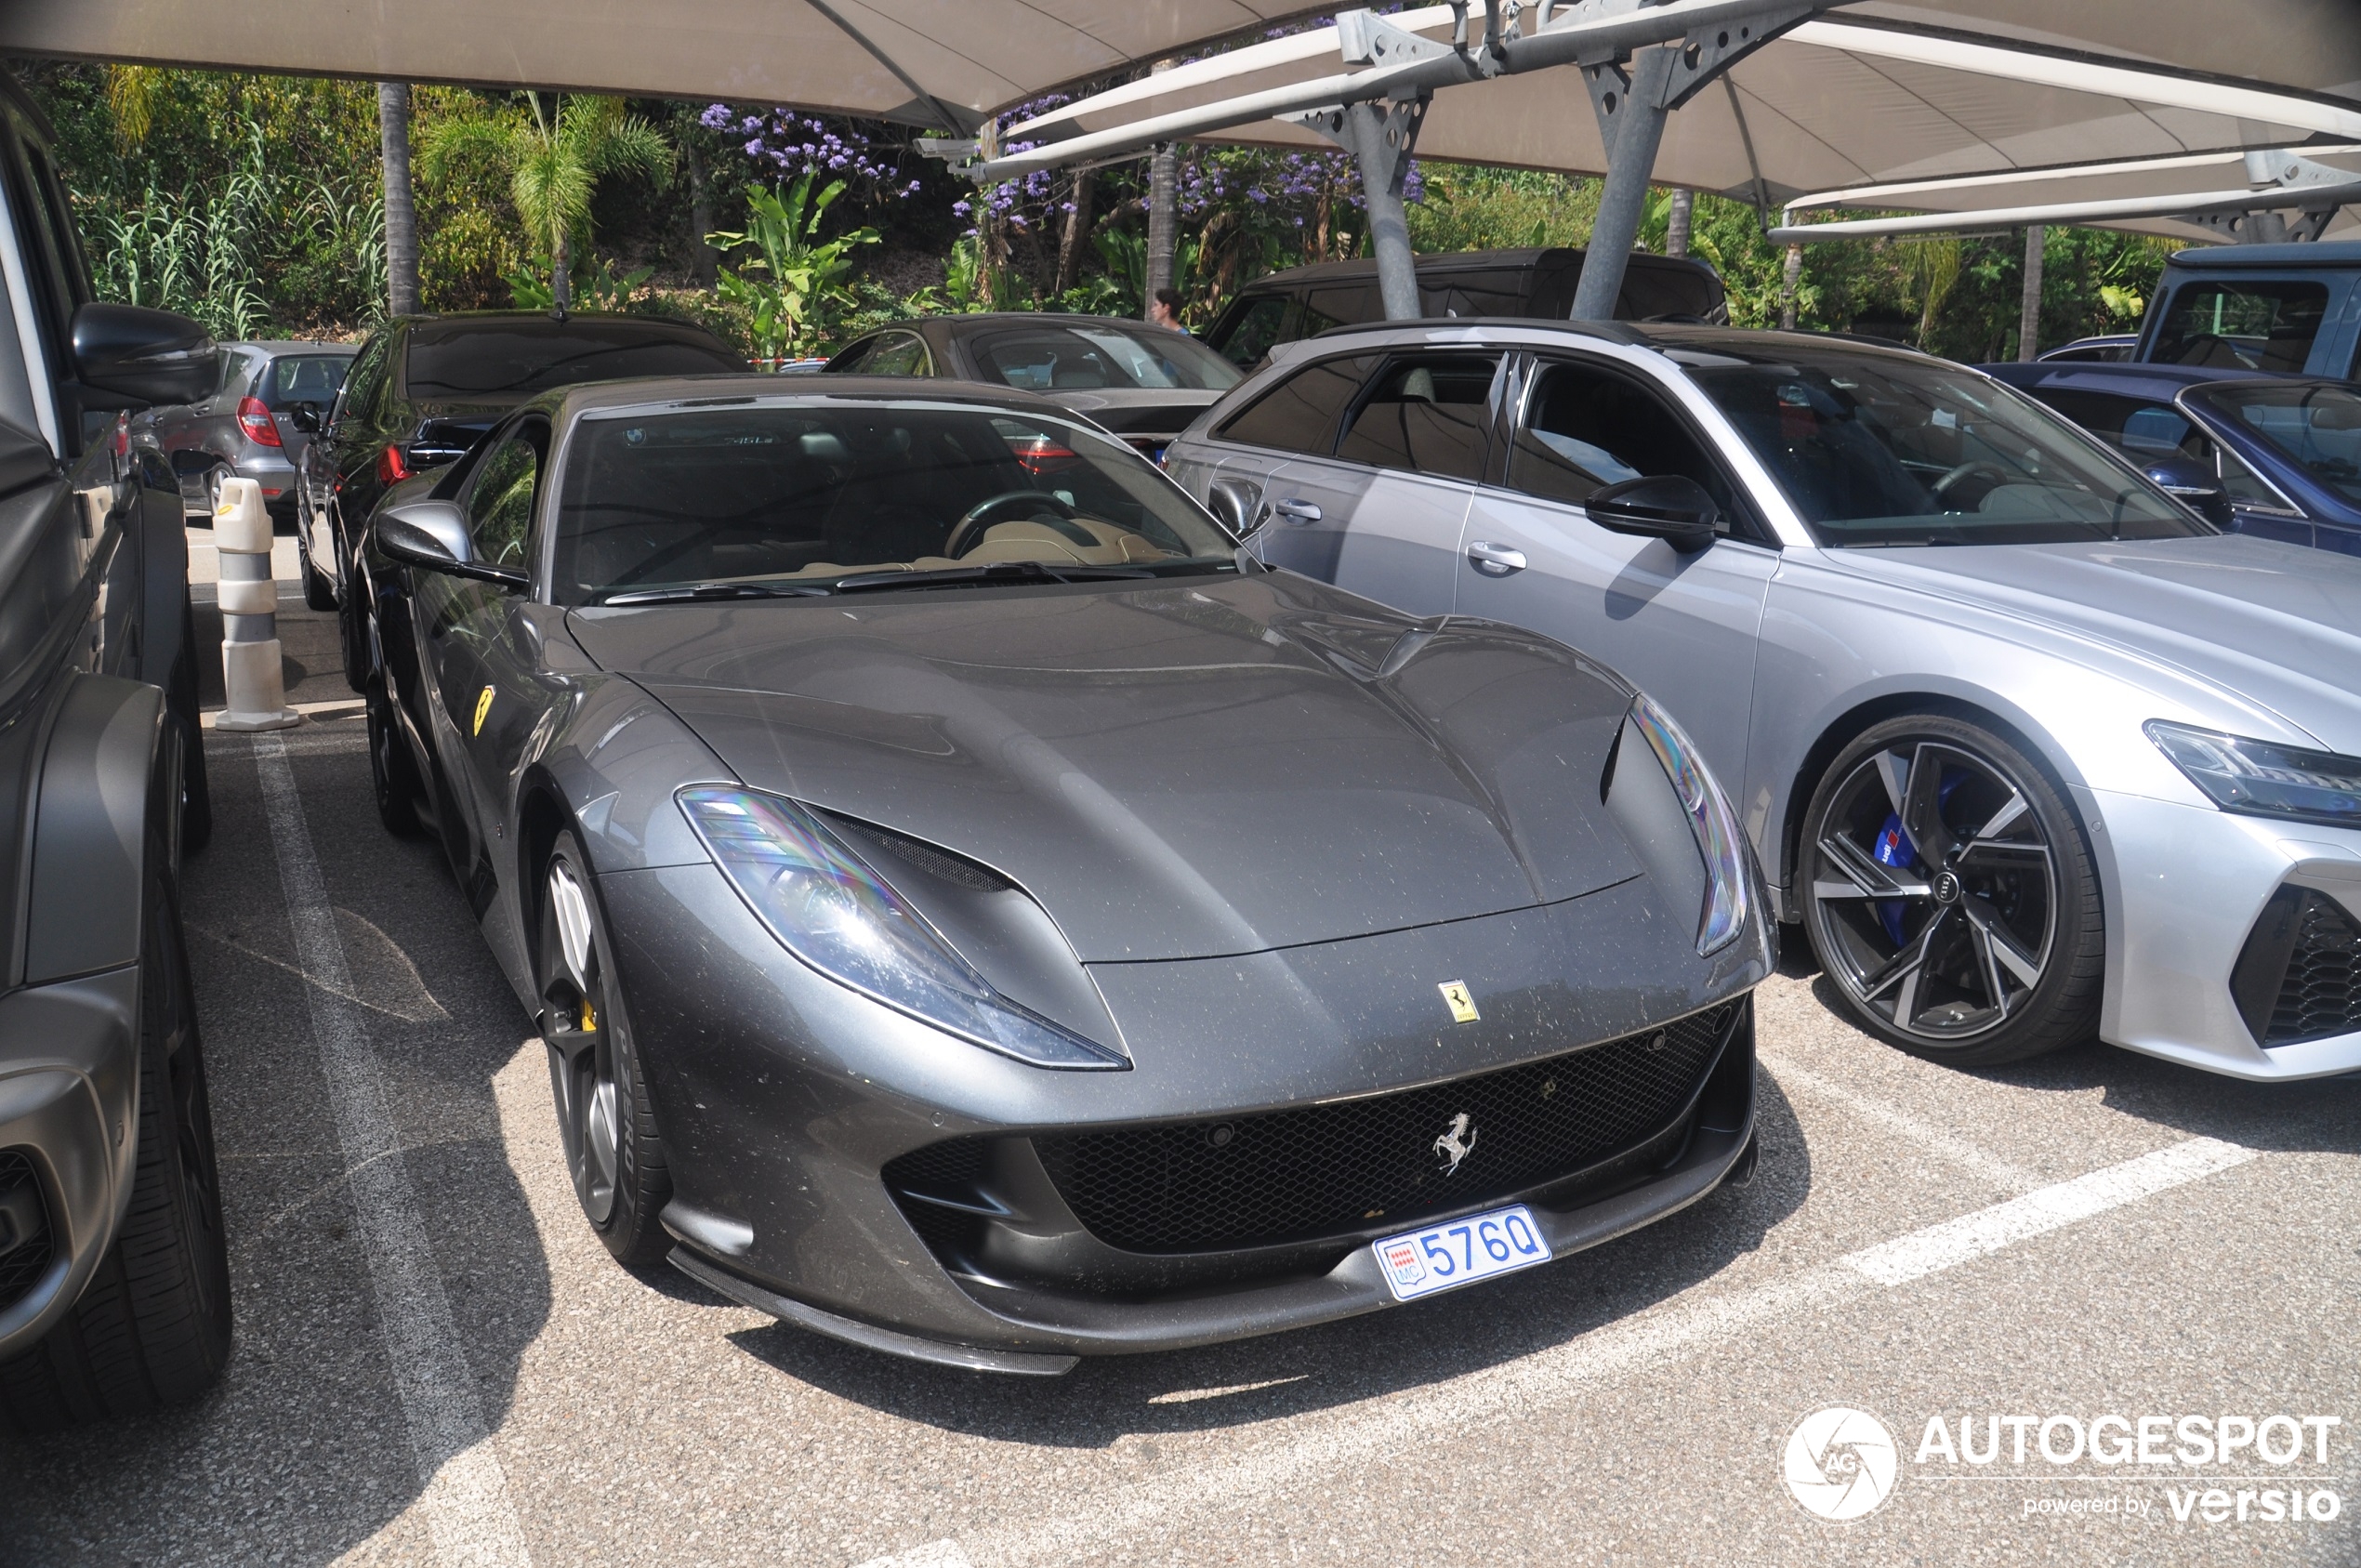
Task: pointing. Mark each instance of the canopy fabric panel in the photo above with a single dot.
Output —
(939, 62)
(1848, 101)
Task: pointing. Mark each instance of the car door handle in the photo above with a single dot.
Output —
(1495, 560)
(1295, 510)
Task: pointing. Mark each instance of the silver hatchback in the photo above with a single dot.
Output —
(256, 423)
(2030, 750)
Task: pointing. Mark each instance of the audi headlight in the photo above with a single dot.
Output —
(831, 909)
(2263, 778)
(1725, 899)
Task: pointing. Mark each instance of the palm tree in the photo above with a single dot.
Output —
(402, 212)
(555, 157)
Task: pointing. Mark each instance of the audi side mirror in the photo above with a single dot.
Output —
(150, 356)
(433, 535)
(1672, 508)
(1238, 503)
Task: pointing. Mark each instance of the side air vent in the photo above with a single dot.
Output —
(2299, 976)
(25, 1246)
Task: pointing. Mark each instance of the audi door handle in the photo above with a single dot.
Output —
(1495, 560)
(1296, 511)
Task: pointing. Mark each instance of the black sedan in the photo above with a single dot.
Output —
(1144, 383)
(421, 391)
(976, 911)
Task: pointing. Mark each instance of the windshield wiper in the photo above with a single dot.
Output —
(719, 590)
(998, 571)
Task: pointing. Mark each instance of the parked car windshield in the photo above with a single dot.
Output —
(1045, 357)
(810, 495)
(1881, 450)
(2317, 428)
(506, 362)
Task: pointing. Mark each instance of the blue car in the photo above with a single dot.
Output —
(2274, 455)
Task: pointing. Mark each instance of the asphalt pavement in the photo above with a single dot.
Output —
(437, 1362)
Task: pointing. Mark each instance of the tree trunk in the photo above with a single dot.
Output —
(2029, 316)
(561, 275)
(1788, 280)
(402, 212)
(1676, 229)
(703, 257)
(1078, 232)
(1164, 221)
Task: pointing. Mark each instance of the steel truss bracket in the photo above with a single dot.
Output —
(2293, 173)
(1365, 38)
(1706, 53)
(1380, 137)
(2263, 227)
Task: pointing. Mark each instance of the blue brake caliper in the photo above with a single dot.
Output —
(1893, 848)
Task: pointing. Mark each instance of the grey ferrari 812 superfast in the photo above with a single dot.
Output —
(976, 911)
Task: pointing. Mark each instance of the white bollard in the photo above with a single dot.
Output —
(250, 674)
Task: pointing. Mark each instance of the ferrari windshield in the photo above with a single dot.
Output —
(819, 497)
(2316, 426)
(1874, 449)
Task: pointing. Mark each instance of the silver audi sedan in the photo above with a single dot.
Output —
(2030, 750)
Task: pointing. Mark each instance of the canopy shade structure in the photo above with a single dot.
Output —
(946, 63)
(1851, 98)
(2162, 196)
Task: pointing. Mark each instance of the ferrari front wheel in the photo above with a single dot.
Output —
(605, 1117)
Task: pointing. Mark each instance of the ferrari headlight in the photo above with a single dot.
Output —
(828, 908)
(2263, 778)
(1725, 899)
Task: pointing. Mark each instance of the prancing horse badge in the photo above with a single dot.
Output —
(483, 707)
(1457, 997)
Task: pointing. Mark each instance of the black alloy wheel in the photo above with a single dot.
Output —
(1949, 895)
(393, 773)
(605, 1117)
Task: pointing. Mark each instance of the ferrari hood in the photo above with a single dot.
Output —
(2278, 624)
(1205, 766)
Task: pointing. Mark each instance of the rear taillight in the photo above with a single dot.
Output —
(392, 467)
(256, 421)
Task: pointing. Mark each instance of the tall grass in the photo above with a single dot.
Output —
(206, 250)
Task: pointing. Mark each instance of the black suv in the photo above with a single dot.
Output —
(423, 388)
(114, 1284)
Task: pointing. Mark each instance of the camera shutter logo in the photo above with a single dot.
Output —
(1840, 1463)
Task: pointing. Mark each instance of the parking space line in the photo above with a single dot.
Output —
(464, 1490)
(2003, 1174)
(1332, 1443)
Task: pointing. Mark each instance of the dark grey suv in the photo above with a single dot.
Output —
(114, 1287)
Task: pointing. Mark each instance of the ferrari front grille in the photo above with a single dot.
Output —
(1383, 1160)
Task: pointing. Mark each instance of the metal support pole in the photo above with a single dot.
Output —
(1631, 113)
(2029, 314)
(1380, 137)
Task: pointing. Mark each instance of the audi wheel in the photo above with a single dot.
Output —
(1949, 895)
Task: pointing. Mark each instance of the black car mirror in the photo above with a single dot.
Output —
(153, 356)
(304, 417)
(1238, 503)
(2192, 484)
(1672, 508)
(433, 535)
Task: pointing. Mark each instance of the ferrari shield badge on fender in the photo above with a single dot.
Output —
(484, 708)
(1456, 994)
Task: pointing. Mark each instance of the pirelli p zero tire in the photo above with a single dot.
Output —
(1949, 895)
(605, 1117)
(153, 1328)
(319, 588)
(393, 773)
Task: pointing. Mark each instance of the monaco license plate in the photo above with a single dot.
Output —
(1459, 1252)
